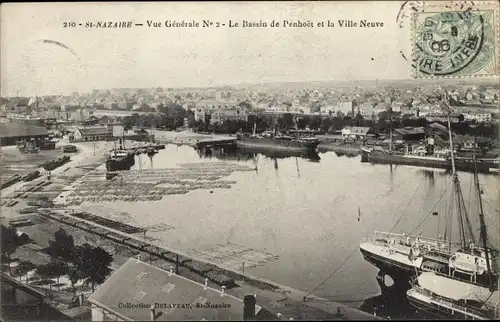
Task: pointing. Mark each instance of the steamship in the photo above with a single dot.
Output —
(119, 160)
(428, 156)
(277, 141)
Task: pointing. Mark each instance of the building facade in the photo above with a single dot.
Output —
(355, 132)
(98, 133)
(478, 117)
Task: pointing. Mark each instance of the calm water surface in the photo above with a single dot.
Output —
(307, 213)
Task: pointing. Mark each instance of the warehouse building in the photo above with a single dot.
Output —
(11, 133)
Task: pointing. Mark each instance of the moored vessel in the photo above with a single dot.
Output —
(119, 160)
(404, 256)
(428, 157)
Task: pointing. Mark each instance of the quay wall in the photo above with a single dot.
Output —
(215, 272)
(205, 268)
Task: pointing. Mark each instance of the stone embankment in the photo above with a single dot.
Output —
(216, 274)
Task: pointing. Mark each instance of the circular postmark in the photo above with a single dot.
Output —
(449, 43)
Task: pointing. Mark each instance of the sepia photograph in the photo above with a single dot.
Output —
(250, 160)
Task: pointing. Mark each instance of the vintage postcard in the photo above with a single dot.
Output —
(291, 160)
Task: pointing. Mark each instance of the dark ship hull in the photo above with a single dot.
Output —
(278, 144)
(400, 273)
(120, 163)
(461, 163)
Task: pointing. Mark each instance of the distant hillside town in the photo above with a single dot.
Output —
(233, 109)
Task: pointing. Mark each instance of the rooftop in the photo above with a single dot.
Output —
(20, 130)
(410, 130)
(438, 126)
(93, 130)
(358, 129)
(143, 285)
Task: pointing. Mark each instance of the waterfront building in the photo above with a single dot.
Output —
(97, 133)
(409, 134)
(442, 117)
(355, 132)
(138, 291)
(439, 129)
(17, 105)
(11, 133)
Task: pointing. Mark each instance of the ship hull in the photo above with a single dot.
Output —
(461, 164)
(436, 311)
(441, 308)
(400, 273)
(120, 164)
(277, 144)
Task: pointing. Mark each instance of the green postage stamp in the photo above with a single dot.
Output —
(449, 41)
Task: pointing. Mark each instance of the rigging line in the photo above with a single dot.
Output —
(335, 271)
(430, 212)
(492, 207)
(407, 205)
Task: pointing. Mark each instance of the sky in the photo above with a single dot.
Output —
(194, 57)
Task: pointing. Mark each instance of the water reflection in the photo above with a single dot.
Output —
(346, 154)
(307, 213)
(246, 154)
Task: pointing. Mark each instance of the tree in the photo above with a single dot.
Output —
(23, 268)
(47, 272)
(56, 269)
(384, 115)
(62, 247)
(360, 120)
(302, 123)
(246, 105)
(74, 275)
(325, 125)
(191, 119)
(315, 122)
(94, 264)
(286, 122)
(10, 242)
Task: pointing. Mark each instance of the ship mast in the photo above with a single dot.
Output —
(390, 129)
(459, 197)
(482, 222)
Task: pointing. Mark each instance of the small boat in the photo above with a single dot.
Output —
(151, 151)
